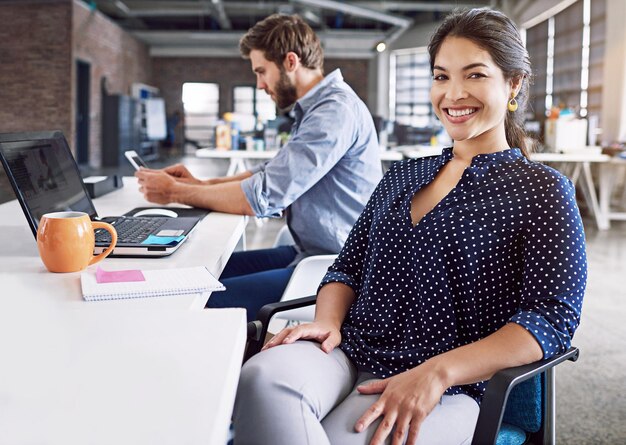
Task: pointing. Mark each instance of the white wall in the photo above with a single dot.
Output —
(614, 88)
(415, 37)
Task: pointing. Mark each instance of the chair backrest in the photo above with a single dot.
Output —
(304, 281)
(284, 237)
(524, 408)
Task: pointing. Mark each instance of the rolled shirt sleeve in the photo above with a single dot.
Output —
(555, 270)
(322, 138)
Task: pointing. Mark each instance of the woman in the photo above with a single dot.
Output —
(460, 265)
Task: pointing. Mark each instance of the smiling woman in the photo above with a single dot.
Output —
(487, 61)
(460, 265)
(469, 94)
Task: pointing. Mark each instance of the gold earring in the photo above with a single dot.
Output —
(512, 105)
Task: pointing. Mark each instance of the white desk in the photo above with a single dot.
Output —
(608, 178)
(101, 376)
(238, 157)
(210, 245)
(141, 371)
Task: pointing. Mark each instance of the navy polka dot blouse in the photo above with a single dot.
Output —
(505, 245)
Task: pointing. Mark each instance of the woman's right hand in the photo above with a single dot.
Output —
(326, 334)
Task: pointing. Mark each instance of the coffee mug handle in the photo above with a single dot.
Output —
(109, 228)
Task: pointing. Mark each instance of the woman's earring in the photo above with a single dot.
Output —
(512, 106)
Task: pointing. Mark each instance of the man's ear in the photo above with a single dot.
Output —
(291, 62)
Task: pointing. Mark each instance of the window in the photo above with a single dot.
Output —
(536, 44)
(201, 104)
(567, 53)
(249, 100)
(597, 33)
(568, 45)
(410, 80)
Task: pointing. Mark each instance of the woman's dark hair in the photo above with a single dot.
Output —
(495, 33)
(279, 34)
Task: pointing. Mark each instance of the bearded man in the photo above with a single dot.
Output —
(321, 179)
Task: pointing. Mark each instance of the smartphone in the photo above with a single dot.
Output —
(135, 159)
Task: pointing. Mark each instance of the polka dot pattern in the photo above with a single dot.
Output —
(505, 245)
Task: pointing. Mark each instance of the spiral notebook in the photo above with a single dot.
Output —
(157, 283)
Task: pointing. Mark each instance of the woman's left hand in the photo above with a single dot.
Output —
(405, 402)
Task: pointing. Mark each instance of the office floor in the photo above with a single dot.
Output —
(591, 405)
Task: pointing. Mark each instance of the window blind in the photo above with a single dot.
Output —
(596, 57)
(537, 47)
(568, 41)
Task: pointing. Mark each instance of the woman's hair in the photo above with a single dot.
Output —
(279, 34)
(495, 33)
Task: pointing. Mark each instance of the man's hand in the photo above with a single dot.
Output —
(325, 334)
(156, 185)
(180, 172)
(405, 402)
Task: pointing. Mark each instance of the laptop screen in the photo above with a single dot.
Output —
(44, 175)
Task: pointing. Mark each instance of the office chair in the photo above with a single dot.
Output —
(304, 281)
(519, 403)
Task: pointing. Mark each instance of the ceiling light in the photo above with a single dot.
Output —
(381, 46)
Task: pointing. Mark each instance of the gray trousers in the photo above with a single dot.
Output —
(298, 394)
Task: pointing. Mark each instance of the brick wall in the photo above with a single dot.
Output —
(113, 55)
(169, 74)
(354, 71)
(39, 43)
(35, 66)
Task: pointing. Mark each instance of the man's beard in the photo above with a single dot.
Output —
(285, 91)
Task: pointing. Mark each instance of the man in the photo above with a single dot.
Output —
(321, 178)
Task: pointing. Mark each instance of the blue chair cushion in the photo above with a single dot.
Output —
(524, 407)
(510, 435)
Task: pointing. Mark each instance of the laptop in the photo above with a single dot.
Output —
(45, 178)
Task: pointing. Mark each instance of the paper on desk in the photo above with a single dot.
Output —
(162, 240)
(118, 276)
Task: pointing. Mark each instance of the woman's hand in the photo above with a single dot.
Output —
(324, 333)
(405, 402)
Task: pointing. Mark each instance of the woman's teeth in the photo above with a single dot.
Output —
(458, 113)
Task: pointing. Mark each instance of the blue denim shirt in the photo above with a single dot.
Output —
(327, 171)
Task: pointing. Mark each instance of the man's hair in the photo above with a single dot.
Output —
(279, 34)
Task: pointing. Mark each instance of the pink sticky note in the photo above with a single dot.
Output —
(118, 276)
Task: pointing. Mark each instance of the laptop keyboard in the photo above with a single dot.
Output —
(131, 230)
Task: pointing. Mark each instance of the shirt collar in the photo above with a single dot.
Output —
(312, 96)
(510, 154)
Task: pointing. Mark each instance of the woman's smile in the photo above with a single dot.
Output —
(459, 115)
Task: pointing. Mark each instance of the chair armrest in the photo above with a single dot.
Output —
(499, 388)
(257, 329)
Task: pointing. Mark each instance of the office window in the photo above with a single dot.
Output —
(201, 104)
(249, 100)
(597, 38)
(567, 53)
(410, 81)
(537, 46)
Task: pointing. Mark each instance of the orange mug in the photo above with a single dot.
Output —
(66, 241)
